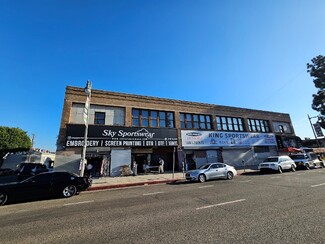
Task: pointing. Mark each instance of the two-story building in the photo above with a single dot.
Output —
(124, 128)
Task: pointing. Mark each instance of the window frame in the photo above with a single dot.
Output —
(96, 119)
(152, 118)
(228, 123)
(195, 121)
(258, 125)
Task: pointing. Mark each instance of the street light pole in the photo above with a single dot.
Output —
(86, 119)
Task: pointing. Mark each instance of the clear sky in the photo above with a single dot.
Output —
(242, 53)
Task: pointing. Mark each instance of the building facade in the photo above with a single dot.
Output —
(127, 128)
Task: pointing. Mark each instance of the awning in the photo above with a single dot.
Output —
(291, 150)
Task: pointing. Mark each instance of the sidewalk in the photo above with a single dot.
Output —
(145, 179)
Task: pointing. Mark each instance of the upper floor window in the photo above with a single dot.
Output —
(195, 121)
(97, 114)
(281, 127)
(229, 123)
(99, 118)
(152, 118)
(258, 125)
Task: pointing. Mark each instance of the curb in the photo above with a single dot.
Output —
(124, 185)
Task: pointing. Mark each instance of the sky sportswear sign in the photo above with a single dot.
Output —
(113, 136)
(225, 139)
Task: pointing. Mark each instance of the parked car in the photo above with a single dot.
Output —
(54, 183)
(277, 163)
(307, 160)
(211, 171)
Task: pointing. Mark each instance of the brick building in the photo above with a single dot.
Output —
(124, 128)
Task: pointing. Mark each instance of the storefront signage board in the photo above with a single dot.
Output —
(199, 139)
(114, 136)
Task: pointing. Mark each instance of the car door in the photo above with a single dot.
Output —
(282, 163)
(287, 162)
(34, 187)
(222, 170)
(212, 172)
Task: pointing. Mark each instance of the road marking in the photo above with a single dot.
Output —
(220, 204)
(244, 181)
(318, 185)
(205, 186)
(76, 203)
(153, 193)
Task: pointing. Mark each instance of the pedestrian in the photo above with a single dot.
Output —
(161, 165)
(89, 169)
(135, 168)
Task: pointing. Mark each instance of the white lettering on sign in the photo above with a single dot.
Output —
(80, 143)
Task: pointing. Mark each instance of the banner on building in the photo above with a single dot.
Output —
(197, 139)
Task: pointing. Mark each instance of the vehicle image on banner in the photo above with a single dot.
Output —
(307, 160)
(277, 163)
(211, 171)
(46, 184)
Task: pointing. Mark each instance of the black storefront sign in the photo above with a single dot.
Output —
(114, 136)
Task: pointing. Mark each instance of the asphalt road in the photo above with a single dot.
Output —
(269, 208)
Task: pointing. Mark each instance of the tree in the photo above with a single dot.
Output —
(13, 140)
(316, 69)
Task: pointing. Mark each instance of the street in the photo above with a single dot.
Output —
(268, 208)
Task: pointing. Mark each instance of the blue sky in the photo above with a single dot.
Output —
(248, 53)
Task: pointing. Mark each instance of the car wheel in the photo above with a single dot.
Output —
(293, 169)
(3, 198)
(230, 175)
(69, 191)
(280, 170)
(322, 165)
(202, 178)
(307, 166)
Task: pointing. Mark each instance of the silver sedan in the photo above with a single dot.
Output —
(211, 171)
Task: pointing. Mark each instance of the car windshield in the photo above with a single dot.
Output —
(271, 160)
(204, 166)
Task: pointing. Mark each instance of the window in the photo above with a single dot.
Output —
(195, 121)
(258, 125)
(229, 123)
(170, 120)
(136, 117)
(152, 118)
(99, 118)
(281, 127)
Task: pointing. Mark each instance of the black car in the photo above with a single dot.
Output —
(55, 183)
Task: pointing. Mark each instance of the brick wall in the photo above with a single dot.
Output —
(129, 101)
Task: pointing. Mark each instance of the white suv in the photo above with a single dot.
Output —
(277, 163)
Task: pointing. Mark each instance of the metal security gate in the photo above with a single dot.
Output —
(119, 157)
